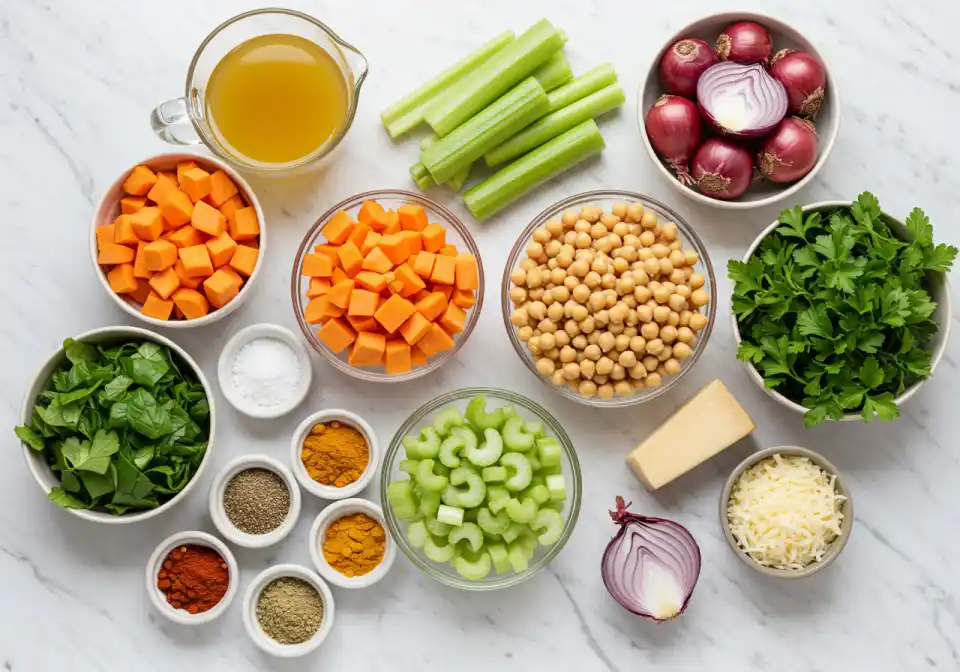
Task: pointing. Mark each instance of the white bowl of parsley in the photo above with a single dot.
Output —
(841, 311)
(117, 425)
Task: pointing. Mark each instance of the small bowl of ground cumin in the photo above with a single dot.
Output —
(254, 501)
(334, 454)
(350, 545)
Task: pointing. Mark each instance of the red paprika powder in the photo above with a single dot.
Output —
(194, 578)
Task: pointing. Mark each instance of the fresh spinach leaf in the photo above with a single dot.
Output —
(29, 437)
(64, 499)
(146, 415)
(115, 388)
(147, 365)
(78, 351)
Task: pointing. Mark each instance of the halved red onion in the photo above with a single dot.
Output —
(722, 169)
(741, 101)
(651, 566)
(674, 128)
(790, 152)
(682, 65)
(803, 78)
(745, 42)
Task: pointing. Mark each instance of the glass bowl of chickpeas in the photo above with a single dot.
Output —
(608, 297)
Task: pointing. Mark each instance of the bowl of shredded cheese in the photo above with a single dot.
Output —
(786, 512)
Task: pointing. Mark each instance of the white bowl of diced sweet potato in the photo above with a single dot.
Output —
(178, 240)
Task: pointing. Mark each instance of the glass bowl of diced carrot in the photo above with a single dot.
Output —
(177, 240)
(387, 285)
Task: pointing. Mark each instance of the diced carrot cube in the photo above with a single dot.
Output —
(146, 223)
(121, 279)
(423, 264)
(123, 232)
(318, 287)
(412, 241)
(363, 302)
(339, 294)
(243, 224)
(370, 212)
(196, 261)
(191, 303)
(316, 311)
(417, 357)
(466, 275)
(415, 328)
(157, 307)
(338, 276)
(391, 222)
(221, 249)
(368, 349)
(233, 275)
(195, 183)
(186, 236)
(112, 253)
(394, 312)
(330, 251)
(434, 238)
(105, 235)
(396, 357)
(220, 287)
(140, 180)
(375, 282)
(185, 280)
(436, 340)
(363, 323)
(350, 258)
(130, 204)
(183, 167)
(140, 263)
(177, 209)
(317, 266)
(453, 319)
(369, 243)
(163, 190)
(377, 261)
(165, 283)
(444, 270)
(465, 298)
(394, 247)
(244, 260)
(142, 291)
(222, 188)
(412, 283)
(159, 255)
(231, 205)
(432, 306)
(412, 217)
(337, 334)
(385, 220)
(209, 220)
(358, 234)
(338, 228)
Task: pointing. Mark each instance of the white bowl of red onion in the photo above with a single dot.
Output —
(738, 111)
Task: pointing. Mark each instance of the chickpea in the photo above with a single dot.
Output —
(685, 316)
(599, 266)
(609, 220)
(665, 354)
(642, 294)
(677, 302)
(647, 239)
(592, 280)
(537, 310)
(629, 253)
(588, 367)
(533, 343)
(546, 367)
(677, 259)
(560, 293)
(672, 366)
(582, 226)
(547, 326)
(598, 231)
(593, 352)
(666, 268)
(600, 380)
(604, 366)
(683, 290)
(650, 330)
(568, 219)
(552, 248)
(649, 220)
(669, 232)
(621, 343)
(534, 280)
(527, 264)
(660, 251)
(519, 318)
(682, 351)
(619, 210)
(579, 268)
(698, 321)
(583, 240)
(605, 391)
(518, 295)
(677, 276)
(620, 229)
(627, 359)
(567, 354)
(587, 388)
(652, 380)
(700, 297)
(554, 227)
(571, 282)
(623, 389)
(635, 212)
(581, 293)
(630, 301)
(588, 325)
(579, 313)
(650, 363)
(579, 341)
(541, 235)
(660, 314)
(597, 300)
(652, 267)
(691, 257)
(620, 265)
(591, 213)
(661, 294)
(685, 335)
(644, 254)
(696, 280)
(602, 317)
(552, 264)
(654, 346)
(525, 333)
(555, 311)
(616, 329)
(593, 337)
(564, 259)
(571, 371)
(572, 328)
(518, 276)
(638, 343)
(676, 245)
(629, 331)
(673, 319)
(618, 373)
(562, 338)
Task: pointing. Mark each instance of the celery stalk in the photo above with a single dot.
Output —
(554, 72)
(517, 108)
(421, 176)
(428, 140)
(408, 111)
(492, 79)
(582, 86)
(509, 183)
(556, 123)
(457, 181)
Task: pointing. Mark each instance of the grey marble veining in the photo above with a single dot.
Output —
(77, 82)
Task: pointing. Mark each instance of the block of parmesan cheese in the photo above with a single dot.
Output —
(707, 424)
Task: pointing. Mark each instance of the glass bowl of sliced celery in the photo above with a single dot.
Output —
(481, 488)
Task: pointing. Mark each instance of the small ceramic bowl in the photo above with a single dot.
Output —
(266, 643)
(329, 491)
(159, 555)
(318, 533)
(846, 509)
(229, 354)
(763, 193)
(939, 288)
(219, 514)
(109, 209)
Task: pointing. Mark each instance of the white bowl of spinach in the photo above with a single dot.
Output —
(117, 425)
(841, 311)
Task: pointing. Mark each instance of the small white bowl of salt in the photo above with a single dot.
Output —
(264, 371)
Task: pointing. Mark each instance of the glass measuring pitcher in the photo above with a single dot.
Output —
(185, 121)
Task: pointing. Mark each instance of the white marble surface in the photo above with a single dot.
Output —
(77, 82)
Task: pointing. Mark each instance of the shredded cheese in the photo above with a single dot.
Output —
(784, 511)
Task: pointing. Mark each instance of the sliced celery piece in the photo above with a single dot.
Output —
(518, 557)
(536, 428)
(451, 515)
(582, 86)
(538, 479)
(513, 532)
(534, 461)
(495, 124)
(554, 73)
(438, 549)
(527, 541)
(555, 123)
(520, 471)
(550, 159)
(550, 451)
(409, 466)
(493, 78)
(515, 436)
(408, 111)
(498, 554)
(427, 479)
(469, 532)
(488, 452)
(497, 498)
(480, 419)
(446, 420)
(549, 524)
(521, 511)
(429, 503)
(437, 528)
(473, 570)
(456, 182)
(473, 495)
(494, 474)
(468, 435)
(460, 178)
(417, 533)
(557, 487)
(508, 412)
(450, 449)
(538, 493)
(400, 494)
(421, 176)
(493, 524)
(427, 445)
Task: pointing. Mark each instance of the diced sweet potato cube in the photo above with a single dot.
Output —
(130, 204)
(142, 291)
(140, 263)
(363, 323)
(221, 249)
(415, 328)
(434, 238)
(436, 340)
(466, 275)
(222, 188)
(368, 349)
(446, 290)
(121, 279)
(233, 275)
(338, 228)
(231, 205)
(315, 311)
(358, 234)
(444, 270)
(350, 258)
(317, 266)
(375, 282)
(370, 212)
(157, 307)
(453, 319)
(208, 219)
(377, 261)
(396, 357)
(465, 298)
(186, 280)
(243, 224)
(412, 283)
(391, 222)
(412, 217)
(339, 294)
(186, 236)
(113, 253)
(363, 302)
(337, 334)
(394, 312)
(412, 242)
(419, 296)
(165, 187)
(395, 287)
(183, 167)
(191, 303)
(177, 209)
(160, 255)
(146, 223)
(417, 357)
(394, 247)
(449, 250)
(195, 183)
(165, 283)
(432, 306)
(423, 264)
(196, 261)
(105, 235)
(318, 287)
(369, 242)
(220, 287)
(338, 275)
(139, 182)
(244, 260)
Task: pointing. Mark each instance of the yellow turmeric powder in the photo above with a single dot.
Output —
(335, 454)
(354, 544)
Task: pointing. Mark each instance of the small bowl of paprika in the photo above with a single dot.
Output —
(350, 545)
(334, 454)
(192, 577)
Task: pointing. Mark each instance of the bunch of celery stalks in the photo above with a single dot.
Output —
(512, 100)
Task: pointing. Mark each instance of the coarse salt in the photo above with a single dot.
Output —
(266, 372)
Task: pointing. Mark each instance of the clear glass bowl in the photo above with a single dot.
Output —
(530, 410)
(606, 199)
(457, 234)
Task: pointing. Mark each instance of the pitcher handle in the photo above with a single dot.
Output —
(171, 122)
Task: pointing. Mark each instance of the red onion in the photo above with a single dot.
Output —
(722, 169)
(742, 101)
(673, 126)
(803, 77)
(745, 42)
(682, 65)
(790, 151)
(651, 566)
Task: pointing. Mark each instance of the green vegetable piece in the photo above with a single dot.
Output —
(438, 549)
(421, 176)
(534, 462)
(437, 528)
(582, 86)
(508, 412)
(528, 542)
(473, 570)
(550, 471)
(417, 533)
(450, 450)
(550, 451)
(481, 420)
(451, 515)
(474, 493)
(515, 436)
(518, 466)
(409, 466)
(549, 524)
(469, 532)
(554, 73)
(446, 420)
(468, 436)
(538, 478)
(492, 524)
(521, 511)
(512, 533)
(494, 474)
(536, 428)
(519, 560)
(556, 484)
(497, 497)
(426, 446)
(429, 503)
(487, 453)
(499, 556)
(538, 493)
(427, 479)
(400, 495)
(29, 437)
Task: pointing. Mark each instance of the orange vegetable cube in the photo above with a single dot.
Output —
(196, 261)
(243, 224)
(130, 204)
(195, 183)
(191, 303)
(466, 274)
(412, 241)
(220, 287)
(160, 255)
(453, 319)
(368, 349)
(394, 247)
(369, 243)
(391, 222)
(376, 261)
(338, 276)
(208, 219)
(338, 228)
(363, 302)
(165, 187)
(465, 298)
(165, 283)
(412, 217)
(339, 294)
(315, 311)
(375, 282)
(156, 307)
(231, 205)
(395, 287)
(142, 291)
(105, 235)
(358, 234)
(446, 290)
(423, 264)
(449, 251)
(244, 260)
(330, 251)
(370, 212)
(236, 277)
(121, 279)
(112, 253)
(436, 340)
(350, 258)
(434, 238)
(183, 167)
(140, 180)
(146, 223)
(432, 306)
(417, 357)
(177, 209)
(221, 249)
(222, 188)
(415, 328)
(318, 287)
(444, 270)
(140, 263)
(396, 357)
(394, 312)
(317, 266)
(412, 283)
(422, 294)
(337, 334)
(186, 236)
(185, 280)
(363, 323)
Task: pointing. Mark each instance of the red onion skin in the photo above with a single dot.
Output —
(722, 169)
(776, 97)
(623, 517)
(804, 78)
(683, 63)
(790, 152)
(745, 42)
(673, 126)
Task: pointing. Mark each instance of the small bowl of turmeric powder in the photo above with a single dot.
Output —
(334, 454)
(350, 545)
